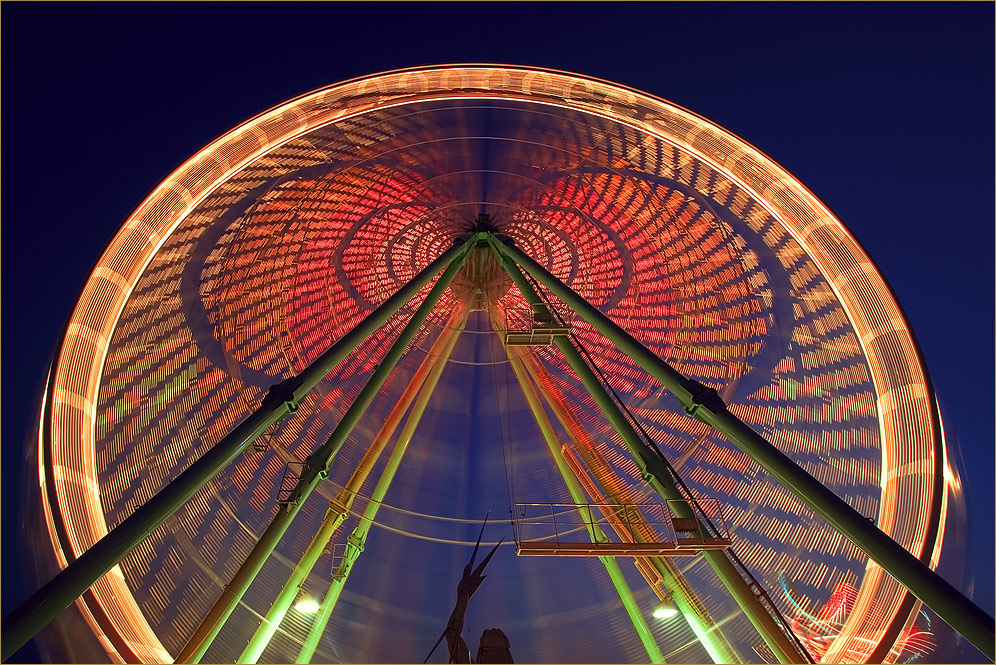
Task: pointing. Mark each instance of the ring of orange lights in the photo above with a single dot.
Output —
(908, 421)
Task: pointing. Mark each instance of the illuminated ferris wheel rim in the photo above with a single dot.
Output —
(909, 427)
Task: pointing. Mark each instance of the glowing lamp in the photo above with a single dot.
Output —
(308, 605)
(665, 609)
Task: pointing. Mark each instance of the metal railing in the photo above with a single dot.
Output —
(568, 529)
(534, 327)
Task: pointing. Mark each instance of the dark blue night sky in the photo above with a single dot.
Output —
(884, 110)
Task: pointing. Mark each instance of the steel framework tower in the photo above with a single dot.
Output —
(423, 292)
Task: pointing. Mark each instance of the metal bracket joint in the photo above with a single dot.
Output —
(702, 396)
(284, 394)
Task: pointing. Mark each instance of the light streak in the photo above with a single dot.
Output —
(708, 272)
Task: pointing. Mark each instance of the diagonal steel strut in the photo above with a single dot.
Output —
(340, 505)
(660, 479)
(692, 610)
(515, 357)
(357, 539)
(315, 470)
(44, 605)
(705, 405)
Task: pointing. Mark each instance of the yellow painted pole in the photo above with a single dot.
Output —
(315, 470)
(577, 494)
(357, 539)
(339, 506)
(656, 570)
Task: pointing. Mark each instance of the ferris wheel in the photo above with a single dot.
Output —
(329, 343)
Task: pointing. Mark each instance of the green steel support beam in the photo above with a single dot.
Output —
(657, 475)
(357, 540)
(268, 626)
(339, 506)
(705, 629)
(57, 594)
(705, 405)
(354, 547)
(315, 470)
(577, 495)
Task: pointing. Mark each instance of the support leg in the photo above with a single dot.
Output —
(656, 474)
(577, 495)
(340, 505)
(315, 470)
(656, 570)
(356, 541)
(45, 604)
(950, 604)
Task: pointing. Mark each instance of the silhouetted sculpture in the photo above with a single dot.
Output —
(494, 645)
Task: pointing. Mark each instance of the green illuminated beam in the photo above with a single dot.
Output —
(339, 506)
(703, 626)
(657, 475)
(632, 609)
(315, 470)
(693, 611)
(357, 539)
(577, 494)
(45, 604)
(270, 623)
(704, 404)
(354, 548)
